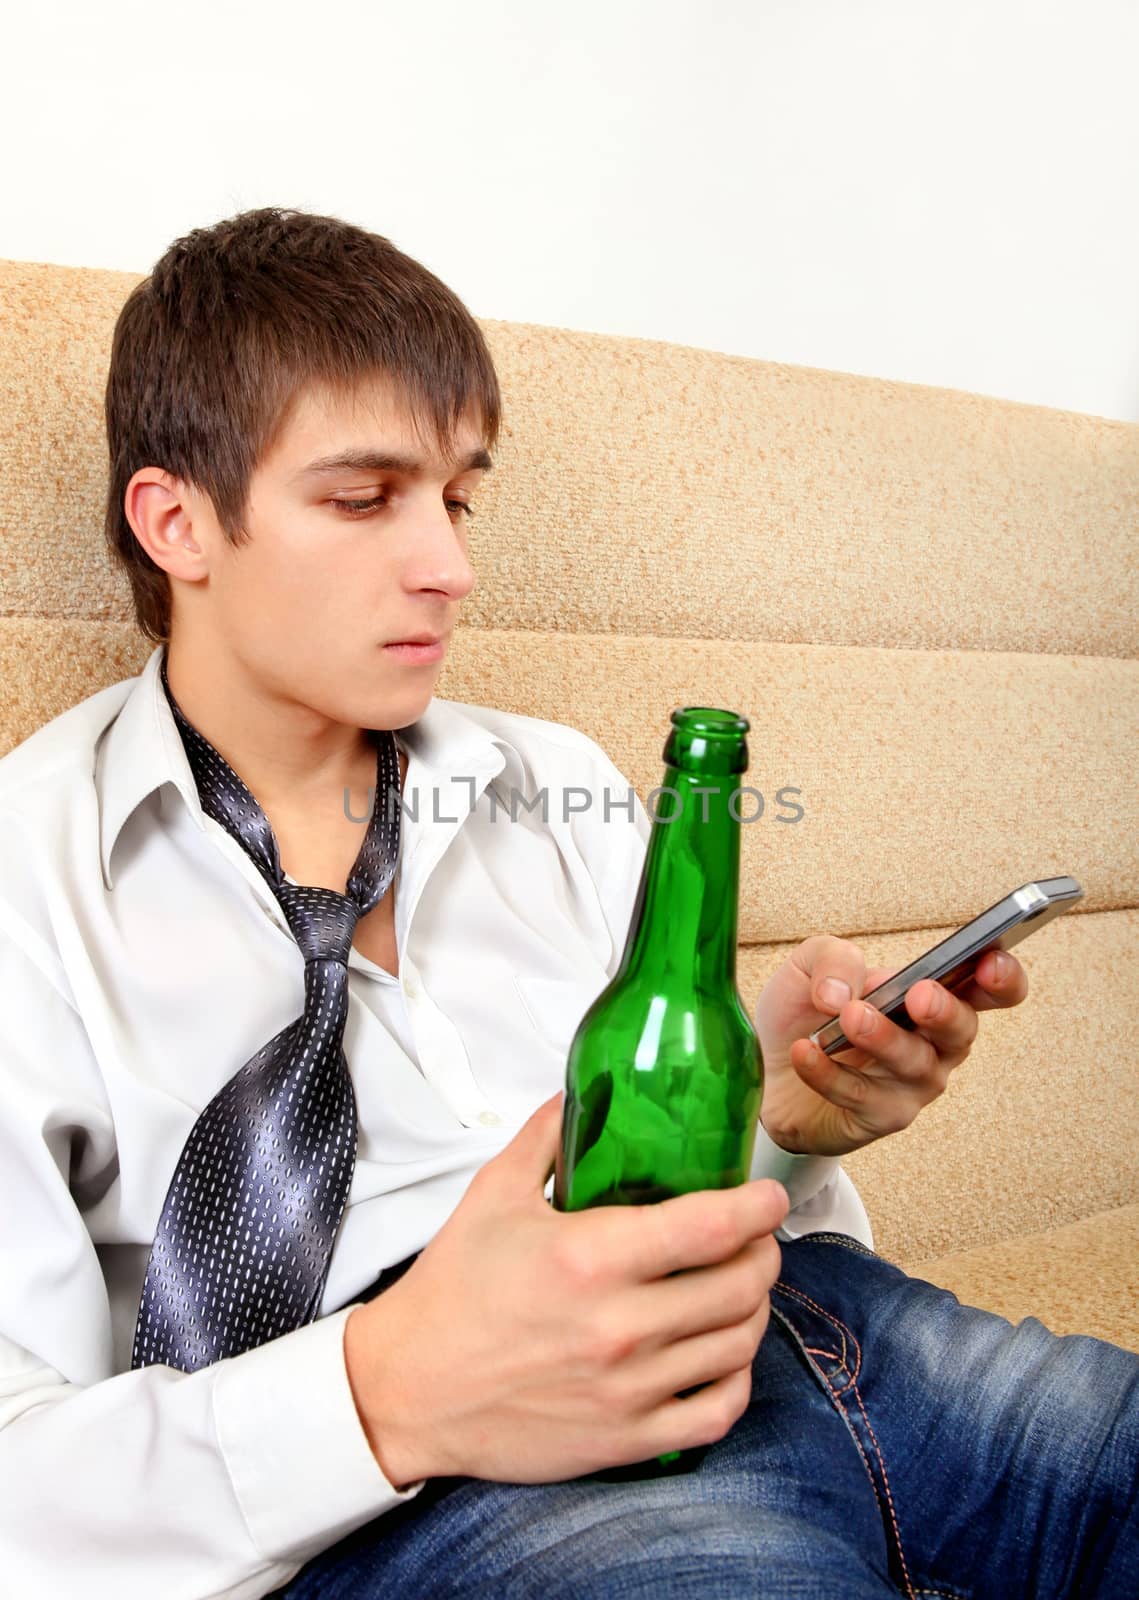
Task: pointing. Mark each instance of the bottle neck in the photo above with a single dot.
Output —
(685, 920)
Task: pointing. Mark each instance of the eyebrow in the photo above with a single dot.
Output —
(382, 461)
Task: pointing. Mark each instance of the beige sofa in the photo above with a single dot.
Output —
(927, 603)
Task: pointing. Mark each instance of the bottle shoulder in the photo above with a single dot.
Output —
(639, 1017)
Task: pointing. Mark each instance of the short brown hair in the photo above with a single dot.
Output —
(234, 321)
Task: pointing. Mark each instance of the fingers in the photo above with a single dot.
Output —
(524, 1167)
(706, 1298)
(702, 1418)
(838, 975)
(836, 969)
(679, 1352)
(946, 1027)
(703, 1358)
(944, 1019)
(697, 1230)
(999, 981)
(945, 1033)
(846, 1087)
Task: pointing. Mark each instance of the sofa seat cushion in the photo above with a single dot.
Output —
(1079, 1278)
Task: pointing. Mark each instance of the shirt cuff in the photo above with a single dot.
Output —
(801, 1175)
(297, 1454)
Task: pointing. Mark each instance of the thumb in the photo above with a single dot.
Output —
(530, 1155)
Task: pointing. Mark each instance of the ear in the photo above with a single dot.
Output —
(161, 510)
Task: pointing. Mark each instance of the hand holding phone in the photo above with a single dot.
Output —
(953, 962)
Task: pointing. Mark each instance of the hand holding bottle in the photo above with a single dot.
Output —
(529, 1345)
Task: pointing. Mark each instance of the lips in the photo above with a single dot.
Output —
(426, 647)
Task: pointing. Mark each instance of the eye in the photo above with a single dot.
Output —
(359, 508)
(363, 508)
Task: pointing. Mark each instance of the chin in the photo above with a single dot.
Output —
(402, 704)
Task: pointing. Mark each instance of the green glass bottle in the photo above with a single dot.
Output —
(664, 1074)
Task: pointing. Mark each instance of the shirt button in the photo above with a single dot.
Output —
(490, 1119)
(411, 987)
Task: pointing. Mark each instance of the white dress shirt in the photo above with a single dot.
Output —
(143, 960)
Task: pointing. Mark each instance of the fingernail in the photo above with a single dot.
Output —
(869, 1018)
(936, 1003)
(1003, 964)
(834, 993)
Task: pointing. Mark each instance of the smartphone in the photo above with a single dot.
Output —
(954, 960)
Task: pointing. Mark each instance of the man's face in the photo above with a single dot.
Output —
(358, 539)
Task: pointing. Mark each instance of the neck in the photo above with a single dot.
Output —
(286, 754)
(685, 920)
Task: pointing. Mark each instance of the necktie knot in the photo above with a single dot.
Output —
(321, 921)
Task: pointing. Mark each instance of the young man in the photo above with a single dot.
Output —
(246, 1021)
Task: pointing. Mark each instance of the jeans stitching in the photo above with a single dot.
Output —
(852, 1383)
(889, 1495)
(797, 1294)
(831, 1355)
(837, 1238)
(839, 1364)
(865, 1459)
(843, 1331)
(842, 1410)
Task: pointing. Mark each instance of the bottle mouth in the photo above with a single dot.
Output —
(710, 720)
(707, 739)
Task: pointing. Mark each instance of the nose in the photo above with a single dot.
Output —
(437, 555)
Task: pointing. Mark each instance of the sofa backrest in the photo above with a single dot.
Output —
(926, 602)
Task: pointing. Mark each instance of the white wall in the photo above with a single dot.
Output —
(936, 190)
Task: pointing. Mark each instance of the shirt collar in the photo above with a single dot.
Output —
(142, 750)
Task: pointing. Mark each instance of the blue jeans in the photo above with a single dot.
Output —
(896, 1442)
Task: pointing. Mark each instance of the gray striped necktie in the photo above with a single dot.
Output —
(245, 1238)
